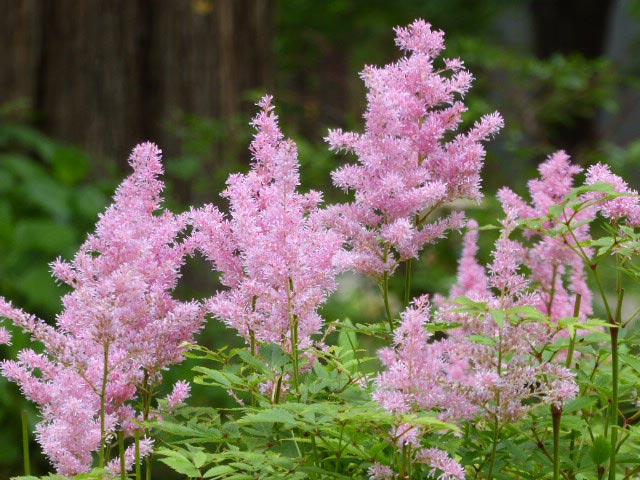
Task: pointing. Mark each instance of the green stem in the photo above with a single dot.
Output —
(496, 425)
(123, 468)
(314, 448)
(293, 325)
(572, 339)
(572, 346)
(25, 443)
(594, 269)
(494, 448)
(146, 409)
(138, 465)
(403, 462)
(103, 395)
(385, 293)
(615, 370)
(148, 470)
(252, 337)
(556, 416)
(275, 398)
(407, 283)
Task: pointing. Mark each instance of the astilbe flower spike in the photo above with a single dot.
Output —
(409, 163)
(623, 208)
(556, 268)
(416, 380)
(120, 326)
(273, 250)
(505, 374)
(460, 378)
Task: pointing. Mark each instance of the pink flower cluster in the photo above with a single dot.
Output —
(409, 163)
(279, 253)
(274, 251)
(120, 326)
(557, 270)
(462, 378)
(624, 208)
(415, 380)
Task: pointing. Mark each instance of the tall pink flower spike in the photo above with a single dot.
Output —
(406, 166)
(120, 311)
(274, 252)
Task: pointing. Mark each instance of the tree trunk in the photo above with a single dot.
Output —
(107, 74)
(571, 27)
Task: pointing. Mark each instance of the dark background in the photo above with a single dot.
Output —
(83, 81)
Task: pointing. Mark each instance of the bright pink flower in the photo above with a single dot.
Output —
(409, 162)
(380, 472)
(274, 251)
(180, 393)
(624, 207)
(120, 310)
(145, 448)
(441, 464)
(556, 269)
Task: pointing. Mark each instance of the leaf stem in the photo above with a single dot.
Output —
(123, 467)
(293, 325)
(137, 453)
(556, 417)
(385, 293)
(25, 443)
(407, 282)
(615, 370)
(103, 395)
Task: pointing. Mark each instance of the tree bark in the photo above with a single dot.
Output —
(571, 27)
(107, 74)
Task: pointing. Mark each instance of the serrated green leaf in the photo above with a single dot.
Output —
(218, 471)
(274, 355)
(600, 451)
(181, 465)
(272, 415)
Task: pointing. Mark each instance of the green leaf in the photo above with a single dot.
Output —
(498, 316)
(218, 471)
(180, 464)
(579, 404)
(600, 451)
(272, 415)
(347, 338)
(273, 355)
(482, 340)
(199, 459)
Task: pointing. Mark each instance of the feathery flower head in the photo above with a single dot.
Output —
(274, 251)
(120, 324)
(406, 166)
(555, 267)
(625, 207)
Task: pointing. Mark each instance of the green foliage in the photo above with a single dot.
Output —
(45, 210)
(46, 207)
(330, 429)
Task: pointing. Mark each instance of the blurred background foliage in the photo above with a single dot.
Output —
(82, 81)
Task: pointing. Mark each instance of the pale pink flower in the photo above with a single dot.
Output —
(120, 311)
(145, 448)
(274, 251)
(442, 465)
(409, 160)
(623, 207)
(380, 472)
(556, 269)
(181, 391)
